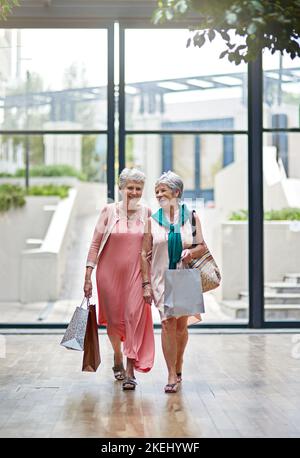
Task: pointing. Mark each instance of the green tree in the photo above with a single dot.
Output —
(271, 24)
(90, 160)
(6, 7)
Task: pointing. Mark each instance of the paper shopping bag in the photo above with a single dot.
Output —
(183, 292)
(73, 338)
(91, 353)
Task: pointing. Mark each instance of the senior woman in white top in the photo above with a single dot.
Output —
(167, 251)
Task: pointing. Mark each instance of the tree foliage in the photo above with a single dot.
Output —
(6, 7)
(260, 24)
(11, 196)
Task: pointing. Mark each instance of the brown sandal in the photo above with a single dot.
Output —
(129, 383)
(171, 388)
(179, 377)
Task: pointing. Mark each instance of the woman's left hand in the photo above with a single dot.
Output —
(186, 256)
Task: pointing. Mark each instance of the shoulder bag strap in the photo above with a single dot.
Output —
(193, 224)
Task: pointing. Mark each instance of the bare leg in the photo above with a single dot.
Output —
(129, 382)
(116, 344)
(130, 368)
(169, 346)
(118, 368)
(181, 340)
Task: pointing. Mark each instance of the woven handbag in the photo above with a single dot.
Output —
(209, 271)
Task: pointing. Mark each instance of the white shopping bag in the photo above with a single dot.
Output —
(183, 292)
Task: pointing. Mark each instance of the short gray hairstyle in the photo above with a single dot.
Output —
(131, 175)
(172, 180)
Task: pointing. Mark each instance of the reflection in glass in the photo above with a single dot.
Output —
(44, 242)
(51, 79)
(183, 162)
(203, 92)
(281, 91)
(282, 226)
(214, 171)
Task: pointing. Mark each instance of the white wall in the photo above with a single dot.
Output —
(42, 268)
(17, 225)
(227, 182)
(281, 242)
(33, 272)
(231, 186)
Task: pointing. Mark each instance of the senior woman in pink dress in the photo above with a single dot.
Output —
(168, 251)
(115, 252)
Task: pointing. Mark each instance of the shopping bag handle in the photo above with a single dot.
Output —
(87, 302)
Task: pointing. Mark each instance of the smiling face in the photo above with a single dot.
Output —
(165, 195)
(132, 192)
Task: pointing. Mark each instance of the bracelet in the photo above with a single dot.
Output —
(145, 283)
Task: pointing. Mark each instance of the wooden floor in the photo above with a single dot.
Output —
(235, 385)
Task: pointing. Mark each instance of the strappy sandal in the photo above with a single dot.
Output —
(119, 371)
(129, 383)
(179, 377)
(171, 388)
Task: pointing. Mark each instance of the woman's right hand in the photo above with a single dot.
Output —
(148, 296)
(88, 287)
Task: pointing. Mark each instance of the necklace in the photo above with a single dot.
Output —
(129, 217)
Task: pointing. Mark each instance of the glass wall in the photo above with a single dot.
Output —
(171, 87)
(282, 226)
(219, 194)
(281, 161)
(46, 230)
(53, 184)
(185, 110)
(281, 91)
(52, 80)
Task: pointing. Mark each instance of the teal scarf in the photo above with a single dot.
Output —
(174, 236)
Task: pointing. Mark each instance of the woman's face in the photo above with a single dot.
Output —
(165, 195)
(132, 192)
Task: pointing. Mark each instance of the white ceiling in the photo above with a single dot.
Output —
(83, 13)
(61, 13)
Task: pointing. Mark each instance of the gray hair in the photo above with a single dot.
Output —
(131, 175)
(171, 180)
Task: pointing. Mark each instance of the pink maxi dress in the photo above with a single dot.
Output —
(122, 308)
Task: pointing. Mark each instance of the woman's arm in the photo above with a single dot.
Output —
(96, 240)
(93, 251)
(146, 247)
(88, 286)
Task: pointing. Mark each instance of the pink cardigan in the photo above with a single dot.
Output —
(107, 220)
